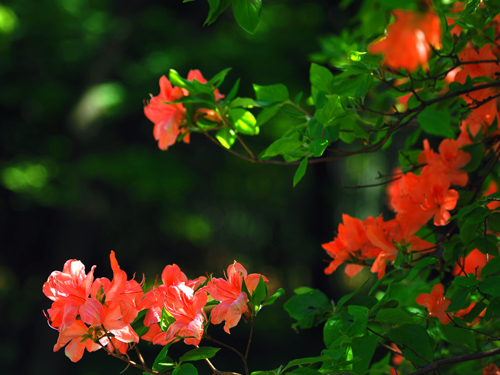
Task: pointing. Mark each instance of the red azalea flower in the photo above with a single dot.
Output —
(435, 303)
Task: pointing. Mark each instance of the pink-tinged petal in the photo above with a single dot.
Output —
(352, 270)
(195, 330)
(112, 316)
(252, 281)
(75, 331)
(125, 334)
(238, 307)
(219, 312)
(87, 283)
(165, 88)
(235, 272)
(154, 331)
(128, 310)
(92, 312)
(172, 275)
(74, 350)
(70, 313)
(195, 74)
(152, 316)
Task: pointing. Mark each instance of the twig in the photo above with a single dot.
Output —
(473, 330)
(465, 358)
(372, 185)
(252, 321)
(404, 346)
(209, 338)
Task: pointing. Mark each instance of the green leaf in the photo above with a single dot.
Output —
(260, 292)
(247, 13)
(233, 91)
(358, 310)
(415, 337)
(321, 78)
(490, 286)
(308, 307)
(166, 320)
(274, 297)
(330, 111)
(244, 121)
(305, 371)
(477, 215)
(301, 171)
(477, 152)
(333, 329)
(363, 348)
(162, 362)
(318, 147)
(226, 137)
(243, 102)
(466, 281)
(494, 221)
(282, 146)
(347, 297)
(304, 361)
(358, 327)
(425, 262)
(491, 267)
(176, 80)
(457, 336)
(217, 79)
(267, 113)
(198, 354)
(468, 232)
(394, 316)
(436, 122)
(459, 299)
(476, 310)
(216, 8)
(272, 93)
(185, 369)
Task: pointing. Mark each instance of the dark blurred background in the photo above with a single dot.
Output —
(81, 174)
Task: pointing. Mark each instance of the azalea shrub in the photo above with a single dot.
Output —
(433, 75)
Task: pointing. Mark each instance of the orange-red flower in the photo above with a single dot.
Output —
(435, 303)
(473, 263)
(482, 117)
(351, 241)
(233, 302)
(77, 335)
(449, 161)
(385, 235)
(166, 117)
(69, 290)
(407, 42)
(491, 369)
(187, 309)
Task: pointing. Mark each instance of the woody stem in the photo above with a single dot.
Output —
(243, 358)
(250, 336)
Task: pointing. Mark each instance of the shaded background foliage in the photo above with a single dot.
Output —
(80, 173)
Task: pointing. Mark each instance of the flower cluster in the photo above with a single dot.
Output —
(170, 118)
(415, 198)
(407, 44)
(93, 314)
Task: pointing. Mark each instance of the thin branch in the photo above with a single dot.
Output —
(450, 361)
(209, 338)
(473, 330)
(372, 185)
(252, 321)
(404, 346)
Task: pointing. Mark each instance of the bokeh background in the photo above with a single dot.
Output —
(80, 172)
